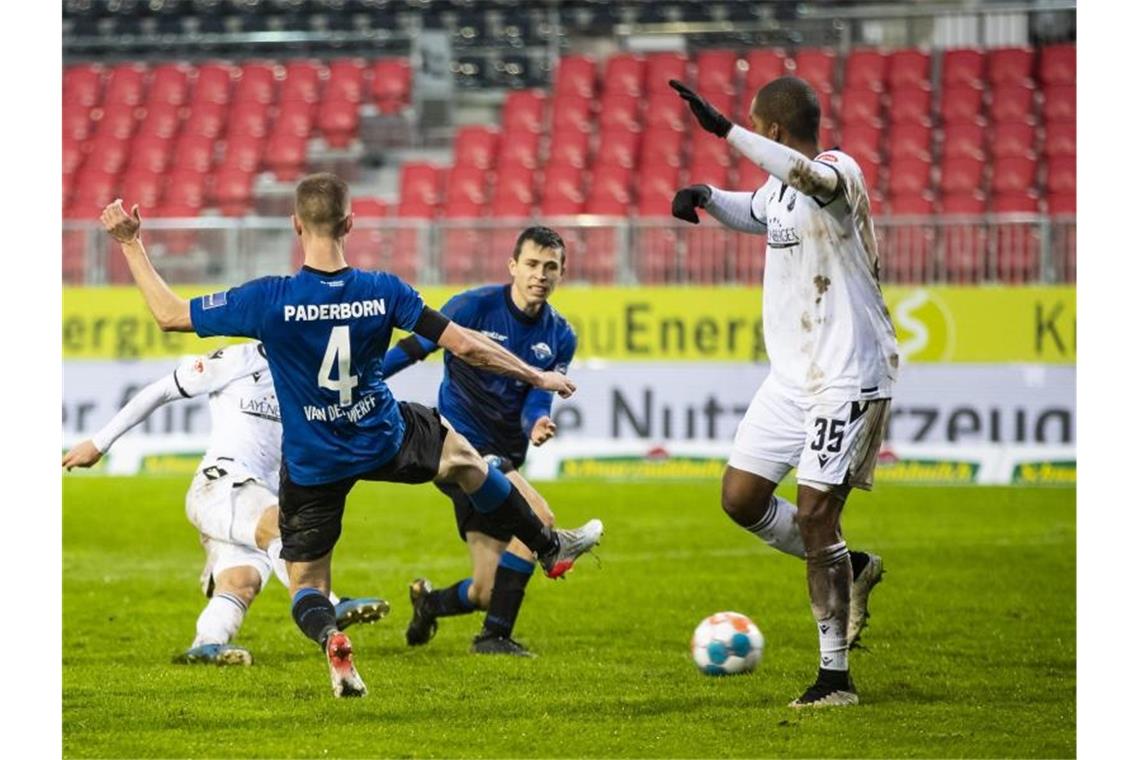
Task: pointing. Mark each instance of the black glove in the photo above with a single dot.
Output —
(689, 199)
(710, 118)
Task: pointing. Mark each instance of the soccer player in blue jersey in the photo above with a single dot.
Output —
(325, 330)
(500, 417)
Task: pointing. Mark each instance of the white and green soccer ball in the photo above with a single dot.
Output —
(727, 643)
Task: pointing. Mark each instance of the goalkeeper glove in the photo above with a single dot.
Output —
(710, 118)
(688, 200)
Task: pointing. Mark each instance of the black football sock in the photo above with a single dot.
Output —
(859, 561)
(511, 578)
(314, 614)
(502, 503)
(450, 601)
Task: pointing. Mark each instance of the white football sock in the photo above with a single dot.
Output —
(778, 528)
(220, 620)
(275, 561)
(829, 584)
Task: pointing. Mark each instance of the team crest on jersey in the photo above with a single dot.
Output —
(542, 351)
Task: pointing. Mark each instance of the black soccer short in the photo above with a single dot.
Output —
(467, 518)
(310, 516)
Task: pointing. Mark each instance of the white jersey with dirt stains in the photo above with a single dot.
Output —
(245, 421)
(827, 329)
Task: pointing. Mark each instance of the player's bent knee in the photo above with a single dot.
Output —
(744, 498)
(243, 581)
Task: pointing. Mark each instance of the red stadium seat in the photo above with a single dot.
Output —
(763, 67)
(420, 183)
(169, 84)
(911, 205)
(963, 204)
(94, 188)
(909, 141)
(1060, 103)
(665, 109)
(257, 83)
(1013, 139)
(511, 206)
(961, 105)
(1014, 175)
(1014, 203)
(213, 83)
(77, 123)
(1010, 66)
(749, 176)
(908, 68)
(861, 106)
(576, 75)
(162, 120)
(117, 120)
(285, 155)
(909, 105)
(233, 191)
(865, 68)
(514, 189)
(816, 66)
(346, 80)
(73, 155)
(620, 111)
(1061, 176)
(525, 109)
(1058, 65)
(573, 111)
(661, 67)
(143, 188)
(476, 146)
(303, 81)
(964, 140)
(243, 152)
(185, 189)
(656, 186)
(705, 148)
(871, 177)
(1062, 203)
(466, 185)
(295, 117)
(391, 84)
(465, 248)
(83, 85)
(963, 67)
(661, 147)
(909, 176)
(519, 146)
(569, 146)
(150, 153)
(194, 152)
(618, 147)
(864, 156)
(206, 119)
(1060, 139)
(1017, 244)
(338, 121)
(625, 73)
(716, 71)
(125, 85)
(907, 244)
(961, 176)
(711, 173)
(1012, 103)
(964, 242)
(108, 153)
(249, 117)
(562, 191)
(610, 190)
(862, 140)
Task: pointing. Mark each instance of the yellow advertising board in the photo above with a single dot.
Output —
(934, 324)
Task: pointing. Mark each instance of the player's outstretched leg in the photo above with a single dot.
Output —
(511, 577)
(572, 544)
(316, 617)
(428, 605)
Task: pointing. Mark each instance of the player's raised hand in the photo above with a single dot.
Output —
(543, 430)
(123, 227)
(557, 382)
(710, 118)
(688, 200)
(83, 454)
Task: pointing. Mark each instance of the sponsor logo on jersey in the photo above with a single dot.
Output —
(828, 157)
(780, 236)
(333, 283)
(264, 408)
(214, 300)
(542, 351)
(494, 335)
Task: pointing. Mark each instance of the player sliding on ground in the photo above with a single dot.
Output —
(232, 499)
(823, 407)
(499, 416)
(325, 330)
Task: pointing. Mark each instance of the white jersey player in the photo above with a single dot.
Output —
(232, 499)
(832, 351)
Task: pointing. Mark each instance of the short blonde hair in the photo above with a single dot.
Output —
(322, 204)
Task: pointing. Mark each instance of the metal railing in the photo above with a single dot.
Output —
(997, 248)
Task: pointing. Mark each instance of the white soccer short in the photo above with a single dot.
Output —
(225, 510)
(829, 443)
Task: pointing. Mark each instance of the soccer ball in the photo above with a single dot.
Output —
(727, 643)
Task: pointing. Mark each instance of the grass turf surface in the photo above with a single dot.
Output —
(971, 651)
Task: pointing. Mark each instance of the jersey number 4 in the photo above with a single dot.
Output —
(338, 351)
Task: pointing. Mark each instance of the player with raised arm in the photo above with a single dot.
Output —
(232, 499)
(834, 358)
(325, 330)
(500, 417)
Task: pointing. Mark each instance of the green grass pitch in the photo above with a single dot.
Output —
(971, 651)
